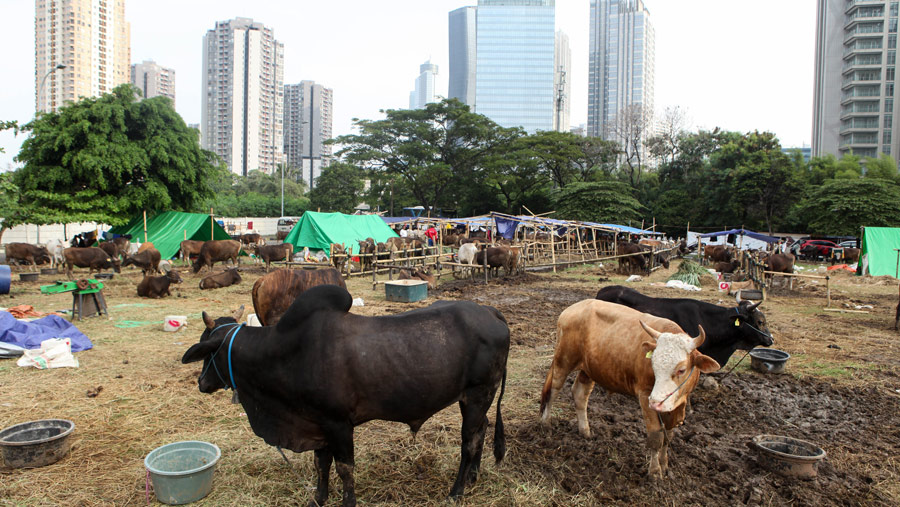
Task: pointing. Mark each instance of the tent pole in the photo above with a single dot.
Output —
(212, 222)
(145, 226)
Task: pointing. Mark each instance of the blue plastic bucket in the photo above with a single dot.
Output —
(5, 278)
(182, 472)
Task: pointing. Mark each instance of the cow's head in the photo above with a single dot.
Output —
(663, 259)
(210, 349)
(676, 366)
(196, 266)
(116, 264)
(174, 276)
(752, 324)
(235, 274)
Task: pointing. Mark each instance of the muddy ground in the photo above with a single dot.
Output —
(841, 391)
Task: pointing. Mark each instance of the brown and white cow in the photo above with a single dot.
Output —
(274, 293)
(632, 353)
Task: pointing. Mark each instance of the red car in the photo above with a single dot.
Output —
(814, 248)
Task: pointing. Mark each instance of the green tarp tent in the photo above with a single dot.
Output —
(320, 230)
(167, 230)
(879, 256)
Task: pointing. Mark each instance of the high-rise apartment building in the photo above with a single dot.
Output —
(463, 44)
(856, 56)
(90, 38)
(153, 80)
(243, 95)
(515, 54)
(621, 72)
(562, 83)
(424, 87)
(308, 109)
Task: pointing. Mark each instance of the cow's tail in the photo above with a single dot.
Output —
(545, 392)
(499, 435)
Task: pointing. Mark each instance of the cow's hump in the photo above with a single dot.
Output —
(318, 298)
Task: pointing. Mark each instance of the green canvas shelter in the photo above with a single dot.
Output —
(168, 229)
(319, 230)
(879, 251)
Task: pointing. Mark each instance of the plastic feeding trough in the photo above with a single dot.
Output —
(182, 472)
(788, 456)
(768, 360)
(406, 291)
(36, 443)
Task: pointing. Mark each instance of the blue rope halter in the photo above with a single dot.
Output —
(235, 327)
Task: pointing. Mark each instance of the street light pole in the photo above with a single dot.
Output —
(282, 189)
(56, 67)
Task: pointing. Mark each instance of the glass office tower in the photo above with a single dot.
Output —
(515, 62)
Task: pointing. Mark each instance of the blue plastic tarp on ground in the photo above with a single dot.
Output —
(30, 334)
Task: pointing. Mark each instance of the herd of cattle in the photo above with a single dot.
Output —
(315, 371)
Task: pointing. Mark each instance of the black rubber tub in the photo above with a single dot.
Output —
(36, 443)
(788, 456)
(768, 360)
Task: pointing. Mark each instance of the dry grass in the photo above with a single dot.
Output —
(149, 399)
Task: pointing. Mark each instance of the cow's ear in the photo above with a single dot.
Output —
(210, 323)
(200, 351)
(647, 349)
(705, 364)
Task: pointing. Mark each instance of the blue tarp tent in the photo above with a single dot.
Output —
(742, 232)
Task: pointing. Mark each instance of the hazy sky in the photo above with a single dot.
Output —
(737, 65)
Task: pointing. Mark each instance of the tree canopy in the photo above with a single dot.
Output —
(339, 188)
(107, 158)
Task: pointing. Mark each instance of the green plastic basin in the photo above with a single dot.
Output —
(182, 472)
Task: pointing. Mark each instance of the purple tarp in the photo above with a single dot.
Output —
(30, 334)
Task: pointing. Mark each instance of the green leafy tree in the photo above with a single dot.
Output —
(841, 206)
(339, 188)
(7, 125)
(108, 158)
(430, 148)
(600, 201)
(884, 168)
(556, 154)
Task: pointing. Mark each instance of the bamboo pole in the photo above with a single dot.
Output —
(553, 247)
(827, 292)
(145, 226)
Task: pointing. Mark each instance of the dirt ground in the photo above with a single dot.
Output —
(841, 391)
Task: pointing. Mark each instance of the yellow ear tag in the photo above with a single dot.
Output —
(737, 322)
(649, 354)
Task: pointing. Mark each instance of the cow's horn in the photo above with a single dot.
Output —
(698, 341)
(208, 321)
(652, 332)
(753, 307)
(238, 313)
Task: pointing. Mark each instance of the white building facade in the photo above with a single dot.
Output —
(308, 110)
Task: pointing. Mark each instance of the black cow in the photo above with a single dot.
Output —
(727, 329)
(306, 382)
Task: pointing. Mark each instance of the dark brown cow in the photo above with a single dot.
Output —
(366, 252)
(632, 263)
(147, 260)
(418, 274)
(122, 243)
(717, 253)
(339, 256)
(497, 257)
(111, 248)
(250, 239)
(851, 255)
(230, 276)
(273, 293)
(157, 286)
(279, 252)
(190, 248)
(27, 253)
(217, 251)
(781, 263)
(92, 258)
(727, 267)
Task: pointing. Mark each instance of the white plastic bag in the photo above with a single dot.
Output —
(358, 302)
(634, 278)
(54, 353)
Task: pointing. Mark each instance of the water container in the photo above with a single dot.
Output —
(182, 472)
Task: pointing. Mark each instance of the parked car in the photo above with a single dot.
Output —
(849, 244)
(284, 226)
(816, 248)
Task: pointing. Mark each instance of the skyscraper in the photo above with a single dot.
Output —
(462, 55)
(853, 101)
(90, 38)
(301, 102)
(621, 72)
(243, 95)
(153, 80)
(562, 83)
(515, 49)
(424, 87)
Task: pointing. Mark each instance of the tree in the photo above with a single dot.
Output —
(630, 128)
(339, 188)
(600, 201)
(108, 158)
(430, 148)
(7, 125)
(884, 168)
(665, 146)
(556, 153)
(841, 207)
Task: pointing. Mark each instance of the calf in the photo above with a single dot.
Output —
(190, 248)
(279, 252)
(466, 255)
(633, 263)
(728, 329)
(28, 253)
(92, 258)
(631, 353)
(339, 256)
(727, 267)
(218, 251)
(56, 248)
(110, 248)
(273, 293)
(230, 276)
(418, 274)
(497, 257)
(157, 286)
(147, 260)
(306, 382)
